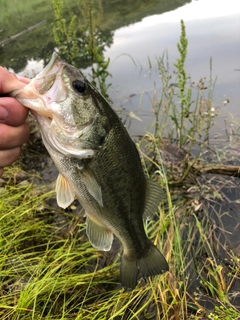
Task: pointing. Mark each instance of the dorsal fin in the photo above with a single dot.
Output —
(154, 195)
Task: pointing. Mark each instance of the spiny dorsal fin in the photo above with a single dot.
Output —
(99, 237)
(65, 195)
(91, 184)
(154, 195)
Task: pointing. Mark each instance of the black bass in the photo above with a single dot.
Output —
(98, 163)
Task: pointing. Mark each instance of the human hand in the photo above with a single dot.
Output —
(13, 129)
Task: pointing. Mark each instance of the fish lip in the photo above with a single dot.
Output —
(48, 67)
(53, 69)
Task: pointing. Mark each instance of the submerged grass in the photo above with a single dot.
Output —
(49, 270)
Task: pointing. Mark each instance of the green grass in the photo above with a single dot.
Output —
(49, 270)
(52, 272)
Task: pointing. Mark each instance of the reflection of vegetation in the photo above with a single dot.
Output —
(83, 41)
(16, 16)
(93, 42)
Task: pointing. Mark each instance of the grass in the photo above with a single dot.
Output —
(49, 270)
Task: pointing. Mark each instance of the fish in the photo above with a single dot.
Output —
(98, 164)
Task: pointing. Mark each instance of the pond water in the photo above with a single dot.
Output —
(140, 32)
(213, 30)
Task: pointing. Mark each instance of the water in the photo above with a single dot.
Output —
(212, 28)
(212, 31)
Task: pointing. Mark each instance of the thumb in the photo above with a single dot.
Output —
(10, 82)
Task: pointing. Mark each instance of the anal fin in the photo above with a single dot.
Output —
(99, 237)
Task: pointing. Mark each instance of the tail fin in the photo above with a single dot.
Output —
(150, 264)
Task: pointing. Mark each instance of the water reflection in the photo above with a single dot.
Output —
(15, 17)
(216, 37)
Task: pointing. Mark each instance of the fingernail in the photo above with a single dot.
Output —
(3, 113)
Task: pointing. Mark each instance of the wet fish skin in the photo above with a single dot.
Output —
(98, 163)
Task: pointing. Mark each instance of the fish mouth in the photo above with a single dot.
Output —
(43, 96)
(44, 88)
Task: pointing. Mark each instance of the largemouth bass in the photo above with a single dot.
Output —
(98, 163)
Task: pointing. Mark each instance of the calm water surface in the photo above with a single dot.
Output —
(213, 30)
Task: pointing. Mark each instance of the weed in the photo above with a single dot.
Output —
(221, 313)
(183, 93)
(65, 34)
(82, 39)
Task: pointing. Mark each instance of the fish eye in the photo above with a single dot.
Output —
(79, 86)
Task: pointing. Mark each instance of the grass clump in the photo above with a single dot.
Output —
(47, 267)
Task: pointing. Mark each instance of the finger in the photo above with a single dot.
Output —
(11, 137)
(9, 81)
(7, 157)
(1, 172)
(22, 79)
(12, 112)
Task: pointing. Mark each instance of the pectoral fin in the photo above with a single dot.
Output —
(91, 184)
(99, 237)
(154, 195)
(65, 195)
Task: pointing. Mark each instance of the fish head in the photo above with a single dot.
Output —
(67, 109)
